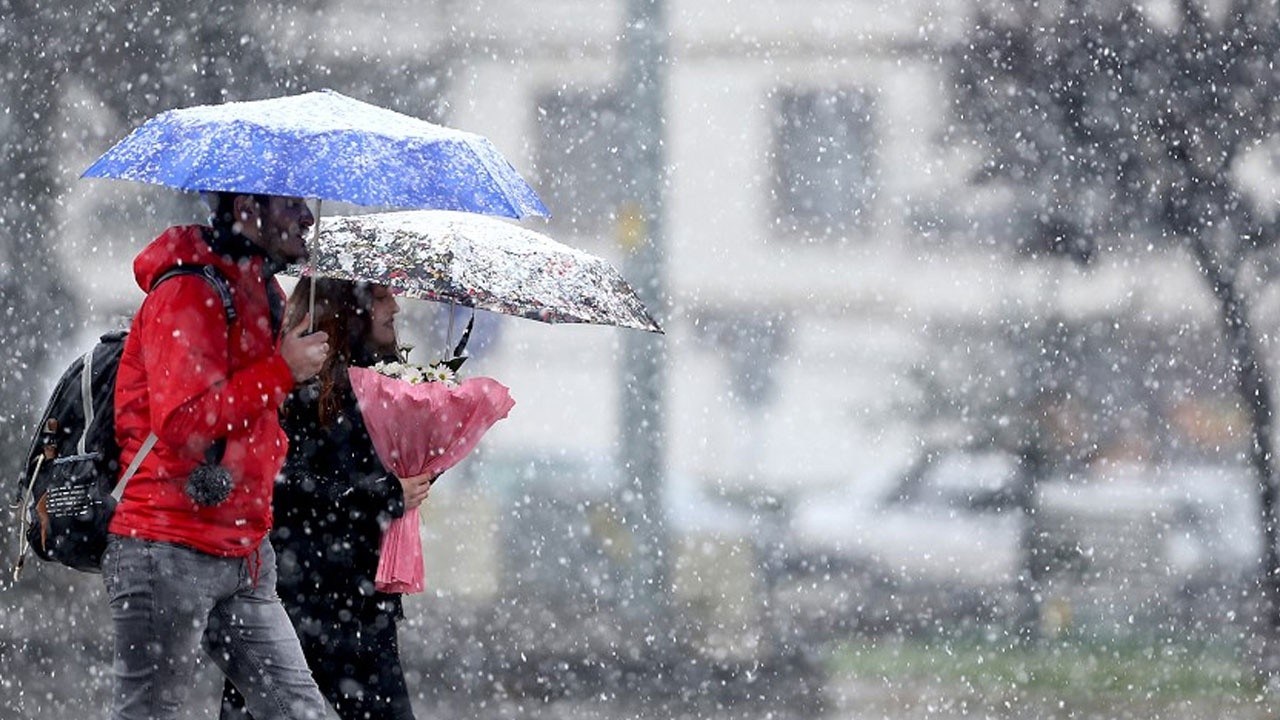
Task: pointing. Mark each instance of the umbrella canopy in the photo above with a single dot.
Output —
(477, 261)
(321, 145)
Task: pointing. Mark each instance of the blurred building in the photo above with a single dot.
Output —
(824, 247)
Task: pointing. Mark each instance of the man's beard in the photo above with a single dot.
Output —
(278, 257)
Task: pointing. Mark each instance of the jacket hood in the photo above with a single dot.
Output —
(182, 245)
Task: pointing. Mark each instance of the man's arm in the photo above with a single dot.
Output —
(194, 398)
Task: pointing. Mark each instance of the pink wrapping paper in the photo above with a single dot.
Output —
(400, 562)
(421, 428)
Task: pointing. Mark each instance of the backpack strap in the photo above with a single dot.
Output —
(211, 275)
(150, 442)
(86, 398)
(223, 288)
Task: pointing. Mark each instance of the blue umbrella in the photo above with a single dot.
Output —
(321, 145)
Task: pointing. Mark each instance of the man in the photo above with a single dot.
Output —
(184, 570)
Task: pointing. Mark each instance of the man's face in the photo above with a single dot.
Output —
(282, 228)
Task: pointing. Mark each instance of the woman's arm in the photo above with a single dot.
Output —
(338, 461)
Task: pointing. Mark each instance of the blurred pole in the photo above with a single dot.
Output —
(39, 308)
(643, 382)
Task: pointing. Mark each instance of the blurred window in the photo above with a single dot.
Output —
(823, 161)
(577, 161)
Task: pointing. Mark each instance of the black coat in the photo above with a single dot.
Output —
(332, 501)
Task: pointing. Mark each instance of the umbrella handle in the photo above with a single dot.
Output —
(311, 266)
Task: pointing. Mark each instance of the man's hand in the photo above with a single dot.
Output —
(416, 489)
(305, 354)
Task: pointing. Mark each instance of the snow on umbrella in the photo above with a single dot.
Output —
(479, 262)
(321, 145)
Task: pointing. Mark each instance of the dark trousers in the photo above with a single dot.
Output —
(355, 661)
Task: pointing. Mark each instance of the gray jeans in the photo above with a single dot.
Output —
(169, 601)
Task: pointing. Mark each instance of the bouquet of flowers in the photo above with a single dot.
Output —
(421, 420)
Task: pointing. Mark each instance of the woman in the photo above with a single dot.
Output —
(332, 501)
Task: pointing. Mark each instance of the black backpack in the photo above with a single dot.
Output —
(69, 489)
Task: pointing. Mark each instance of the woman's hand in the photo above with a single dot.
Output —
(416, 489)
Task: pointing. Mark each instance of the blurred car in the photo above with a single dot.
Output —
(922, 523)
(948, 531)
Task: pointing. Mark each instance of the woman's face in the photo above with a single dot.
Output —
(382, 316)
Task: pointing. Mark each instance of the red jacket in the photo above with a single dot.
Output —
(189, 378)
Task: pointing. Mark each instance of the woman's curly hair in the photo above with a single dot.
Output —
(342, 310)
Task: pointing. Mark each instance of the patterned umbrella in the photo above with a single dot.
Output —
(479, 262)
(321, 145)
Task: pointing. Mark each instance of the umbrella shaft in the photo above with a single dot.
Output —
(311, 261)
(448, 336)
